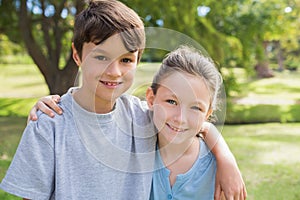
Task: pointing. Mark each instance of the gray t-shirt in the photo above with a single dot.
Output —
(83, 155)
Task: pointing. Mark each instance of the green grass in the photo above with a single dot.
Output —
(11, 129)
(267, 154)
(21, 80)
(284, 87)
(16, 106)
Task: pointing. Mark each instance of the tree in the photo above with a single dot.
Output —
(45, 29)
(255, 24)
(234, 33)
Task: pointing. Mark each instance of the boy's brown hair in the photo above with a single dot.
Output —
(104, 18)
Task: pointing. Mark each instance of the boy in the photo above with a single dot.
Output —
(68, 157)
(103, 145)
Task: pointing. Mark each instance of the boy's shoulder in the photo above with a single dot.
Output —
(45, 120)
(135, 109)
(134, 102)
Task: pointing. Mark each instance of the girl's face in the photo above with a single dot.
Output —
(180, 106)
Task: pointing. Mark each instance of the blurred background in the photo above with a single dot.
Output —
(256, 44)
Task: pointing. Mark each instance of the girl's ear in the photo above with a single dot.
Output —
(209, 112)
(76, 56)
(150, 98)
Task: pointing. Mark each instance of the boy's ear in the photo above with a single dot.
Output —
(76, 56)
(150, 98)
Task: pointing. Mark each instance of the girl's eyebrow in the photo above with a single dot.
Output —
(201, 103)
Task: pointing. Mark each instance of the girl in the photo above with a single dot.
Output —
(182, 97)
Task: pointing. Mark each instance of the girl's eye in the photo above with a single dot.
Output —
(170, 101)
(103, 58)
(196, 108)
(126, 60)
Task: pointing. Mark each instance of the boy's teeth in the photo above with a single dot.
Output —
(111, 84)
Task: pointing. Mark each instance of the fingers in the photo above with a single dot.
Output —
(244, 193)
(217, 195)
(44, 108)
(32, 115)
(47, 105)
(237, 195)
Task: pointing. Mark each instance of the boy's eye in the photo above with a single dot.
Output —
(103, 58)
(170, 101)
(126, 60)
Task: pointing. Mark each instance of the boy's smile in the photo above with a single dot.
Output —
(108, 70)
(111, 84)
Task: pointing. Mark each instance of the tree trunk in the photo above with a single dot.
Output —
(61, 81)
(58, 80)
(280, 58)
(263, 70)
(262, 67)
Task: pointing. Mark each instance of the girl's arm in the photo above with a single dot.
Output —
(47, 105)
(228, 178)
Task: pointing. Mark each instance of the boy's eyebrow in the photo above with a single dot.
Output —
(97, 50)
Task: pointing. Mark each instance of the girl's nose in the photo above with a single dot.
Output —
(180, 116)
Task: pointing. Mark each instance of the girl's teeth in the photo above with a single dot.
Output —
(176, 129)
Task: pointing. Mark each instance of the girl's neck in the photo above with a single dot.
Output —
(171, 152)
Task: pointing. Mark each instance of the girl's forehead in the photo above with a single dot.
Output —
(186, 86)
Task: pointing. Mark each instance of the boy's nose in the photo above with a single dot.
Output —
(113, 69)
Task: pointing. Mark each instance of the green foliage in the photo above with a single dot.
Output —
(9, 48)
(240, 114)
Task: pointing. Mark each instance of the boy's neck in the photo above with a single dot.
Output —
(93, 104)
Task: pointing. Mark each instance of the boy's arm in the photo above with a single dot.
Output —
(47, 105)
(228, 177)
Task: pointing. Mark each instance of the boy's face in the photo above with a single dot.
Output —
(180, 106)
(108, 69)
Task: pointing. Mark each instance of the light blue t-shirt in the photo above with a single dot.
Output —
(83, 155)
(196, 184)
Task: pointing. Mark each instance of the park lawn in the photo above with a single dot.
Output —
(11, 129)
(267, 154)
(21, 81)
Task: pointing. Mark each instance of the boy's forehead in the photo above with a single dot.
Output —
(112, 46)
